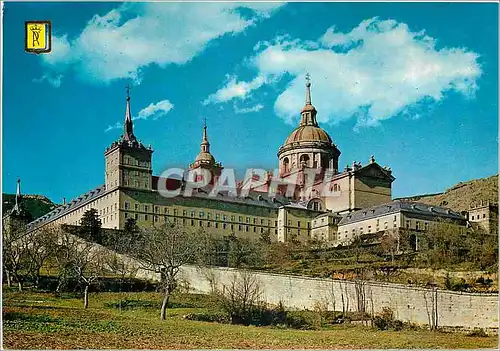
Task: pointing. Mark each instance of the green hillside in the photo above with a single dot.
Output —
(464, 194)
(36, 205)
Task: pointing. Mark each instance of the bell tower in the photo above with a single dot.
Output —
(128, 161)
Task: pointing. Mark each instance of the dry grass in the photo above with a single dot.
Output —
(41, 321)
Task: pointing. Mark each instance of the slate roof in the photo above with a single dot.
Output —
(408, 207)
(253, 198)
(70, 206)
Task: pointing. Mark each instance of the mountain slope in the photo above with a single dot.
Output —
(464, 194)
(36, 205)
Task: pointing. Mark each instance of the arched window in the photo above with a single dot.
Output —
(286, 164)
(304, 160)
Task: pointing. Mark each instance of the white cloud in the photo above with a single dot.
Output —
(373, 73)
(153, 111)
(242, 110)
(157, 110)
(125, 40)
(234, 89)
(54, 80)
(117, 125)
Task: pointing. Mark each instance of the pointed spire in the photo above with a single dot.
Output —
(128, 133)
(308, 89)
(205, 145)
(308, 111)
(17, 205)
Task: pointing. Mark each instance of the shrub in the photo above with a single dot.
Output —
(385, 320)
(303, 320)
(209, 316)
(478, 332)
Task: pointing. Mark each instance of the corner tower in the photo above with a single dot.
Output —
(308, 145)
(128, 161)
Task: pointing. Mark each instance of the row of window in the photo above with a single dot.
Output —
(199, 223)
(201, 214)
(127, 160)
(478, 216)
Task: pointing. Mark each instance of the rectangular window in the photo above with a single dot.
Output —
(208, 224)
(136, 217)
(127, 205)
(298, 224)
(126, 215)
(239, 227)
(175, 212)
(394, 218)
(157, 209)
(254, 229)
(146, 208)
(232, 226)
(192, 213)
(254, 220)
(200, 223)
(216, 216)
(216, 225)
(246, 228)
(184, 213)
(156, 218)
(248, 219)
(232, 218)
(165, 210)
(240, 219)
(224, 217)
(145, 217)
(136, 206)
(224, 225)
(201, 214)
(209, 215)
(192, 222)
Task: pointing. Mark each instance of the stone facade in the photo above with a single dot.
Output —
(485, 217)
(308, 156)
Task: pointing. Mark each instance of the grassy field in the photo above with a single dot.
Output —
(40, 320)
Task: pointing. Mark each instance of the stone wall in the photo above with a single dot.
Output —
(412, 304)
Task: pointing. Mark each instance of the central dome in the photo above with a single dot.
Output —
(308, 133)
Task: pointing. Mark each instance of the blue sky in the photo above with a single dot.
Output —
(414, 84)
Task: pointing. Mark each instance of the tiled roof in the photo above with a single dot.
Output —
(70, 206)
(409, 207)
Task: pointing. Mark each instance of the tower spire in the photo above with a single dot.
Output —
(308, 111)
(128, 133)
(17, 205)
(205, 145)
(308, 89)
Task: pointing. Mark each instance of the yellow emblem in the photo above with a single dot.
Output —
(37, 36)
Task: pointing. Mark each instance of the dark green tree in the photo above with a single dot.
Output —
(90, 226)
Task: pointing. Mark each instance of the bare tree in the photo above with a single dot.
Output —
(83, 260)
(40, 247)
(164, 249)
(241, 295)
(390, 243)
(14, 252)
